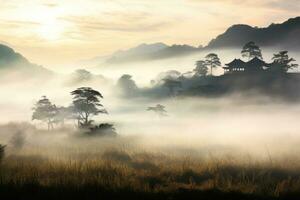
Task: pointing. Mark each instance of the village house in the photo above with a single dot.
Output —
(239, 66)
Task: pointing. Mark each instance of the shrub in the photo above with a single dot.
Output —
(104, 129)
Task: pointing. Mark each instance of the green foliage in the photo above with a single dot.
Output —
(86, 103)
(251, 50)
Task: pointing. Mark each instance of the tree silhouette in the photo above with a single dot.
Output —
(282, 62)
(45, 111)
(213, 61)
(251, 50)
(159, 110)
(127, 85)
(201, 68)
(86, 103)
(172, 85)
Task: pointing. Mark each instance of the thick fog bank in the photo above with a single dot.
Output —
(193, 126)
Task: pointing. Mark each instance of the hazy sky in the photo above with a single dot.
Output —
(53, 32)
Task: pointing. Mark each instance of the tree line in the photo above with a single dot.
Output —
(281, 61)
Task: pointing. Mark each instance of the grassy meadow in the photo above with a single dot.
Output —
(122, 168)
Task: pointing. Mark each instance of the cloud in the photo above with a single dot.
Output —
(17, 23)
(287, 5)
(95, 27)
(290, 5)
(120, 22)
(51, 5)
(235, 2)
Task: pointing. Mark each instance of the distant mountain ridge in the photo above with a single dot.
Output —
(141, 49)
(284, 35)
(9, 57)
(146, 52)
(11, 61)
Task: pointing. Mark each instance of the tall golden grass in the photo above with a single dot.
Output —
(118, 170)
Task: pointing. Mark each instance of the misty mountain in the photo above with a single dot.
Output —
(146, 52)
(11, 61)
(140, 50)
(9, 58)
(285, 36)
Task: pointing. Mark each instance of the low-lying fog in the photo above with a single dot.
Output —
(251, 124)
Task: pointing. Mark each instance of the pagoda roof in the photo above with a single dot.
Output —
(255, 62)
(236, 63)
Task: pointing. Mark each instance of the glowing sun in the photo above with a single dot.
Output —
(50, 27)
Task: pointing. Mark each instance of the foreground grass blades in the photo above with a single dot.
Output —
(118, 175)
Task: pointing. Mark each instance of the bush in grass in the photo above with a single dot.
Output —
(104, 129)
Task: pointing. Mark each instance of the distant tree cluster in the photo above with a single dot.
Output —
(201, 68)
(169, 80)
(193, 81)
(281, 61)
(45, 111)
(85, 105)
(211, 61)
(172, 85)
(126, 85)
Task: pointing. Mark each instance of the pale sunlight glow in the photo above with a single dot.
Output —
(56, 33)
(51, 30)
(50, 27)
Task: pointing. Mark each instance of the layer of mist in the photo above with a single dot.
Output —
(250, 125)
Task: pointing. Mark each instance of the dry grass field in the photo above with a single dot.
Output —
(65, 165)
(135, 175)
